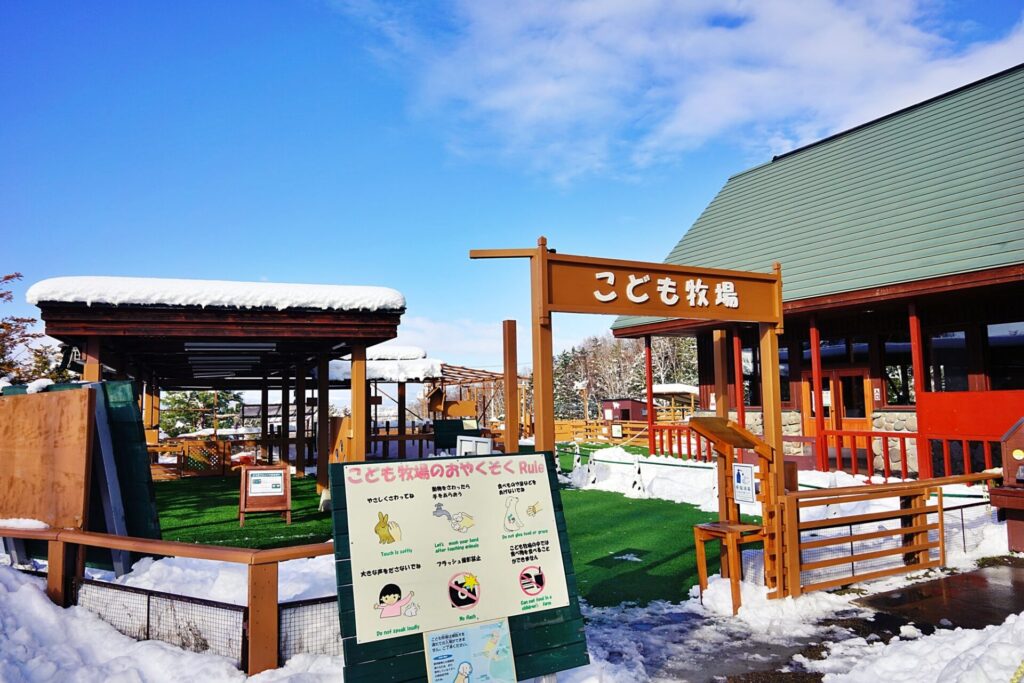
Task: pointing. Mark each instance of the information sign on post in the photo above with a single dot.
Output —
(265, 489)
(450, 542)
(744, 488)
(478, 652)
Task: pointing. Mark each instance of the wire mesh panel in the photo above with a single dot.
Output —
(309, 627)
(190, 623)
(124, 608)
(198, 625)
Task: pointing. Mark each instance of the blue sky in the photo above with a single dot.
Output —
(364, 143)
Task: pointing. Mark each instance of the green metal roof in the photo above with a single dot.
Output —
(936, 189)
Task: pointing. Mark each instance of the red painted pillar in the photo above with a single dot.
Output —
(649, 372)
(819, 398)
(924, 456)
(737, 360)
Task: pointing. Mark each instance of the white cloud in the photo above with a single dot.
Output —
(613, 86)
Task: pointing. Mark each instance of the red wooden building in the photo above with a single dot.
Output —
(902, 251)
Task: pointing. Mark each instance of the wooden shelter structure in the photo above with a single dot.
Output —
(171, 334)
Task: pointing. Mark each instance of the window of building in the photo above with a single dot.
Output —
(854, 405)
(898, 363)
(833, 352)
(750, 357)
(1006, 356)
(948, 361)
(860, 350)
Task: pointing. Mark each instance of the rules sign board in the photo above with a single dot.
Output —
(448, 542)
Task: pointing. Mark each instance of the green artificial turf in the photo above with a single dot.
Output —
(602, 526)
(205, 510)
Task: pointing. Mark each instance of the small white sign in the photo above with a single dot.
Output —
(264, 483)
(479, 652)
(744, 487)
(616, 431)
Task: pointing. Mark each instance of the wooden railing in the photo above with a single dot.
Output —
(916, 550)
(595, 431)
(680, 441)
(63, 555)
(856, 451)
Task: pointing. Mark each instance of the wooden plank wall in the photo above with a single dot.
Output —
(542, 642)
(45, 456)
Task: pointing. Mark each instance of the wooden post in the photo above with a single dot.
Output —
(737, 361)
(774, 477)
(323, 421)
(286, 416)
(543, 362)
(358, 391)
(93, 370)
(301, 368)
(649, 375)
(401, 421)
(818, 397)
(264, 419)
(263, 628)
(924, 455)
(718, 341)
(62, 572)
(511, 365)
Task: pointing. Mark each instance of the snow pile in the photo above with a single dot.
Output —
(37, 385)
(393, 352)
(5, 381)
(42, 642)
(228, 581)
(118, 291)
(673, 389)
(664, 477)
(789, 617)
(22, 523)
(993, 654)
(416, 370)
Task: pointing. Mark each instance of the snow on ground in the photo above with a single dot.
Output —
(959, 655)
(175, 292)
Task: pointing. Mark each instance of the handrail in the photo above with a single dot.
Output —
(897, 487)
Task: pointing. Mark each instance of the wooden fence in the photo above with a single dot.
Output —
(906, 454)
(201, 458)
(818, 556)
(65, 555)
(596, 431)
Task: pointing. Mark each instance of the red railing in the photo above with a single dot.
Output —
(681, 442)
(844, 449)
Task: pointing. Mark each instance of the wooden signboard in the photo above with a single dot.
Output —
(46, 445)
(265, 489)
(544, 638)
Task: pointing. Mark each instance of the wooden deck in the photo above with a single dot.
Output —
(970, 600)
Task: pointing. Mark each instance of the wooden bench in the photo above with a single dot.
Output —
(732, 535)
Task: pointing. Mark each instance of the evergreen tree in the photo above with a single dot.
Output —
(182, 412)
(45, 363)
(15, 334)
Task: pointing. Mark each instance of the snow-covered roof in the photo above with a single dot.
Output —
(393, 352)
(670, 389)
(416, 370)
(175, 292)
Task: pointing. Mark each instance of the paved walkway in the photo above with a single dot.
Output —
(971, 600)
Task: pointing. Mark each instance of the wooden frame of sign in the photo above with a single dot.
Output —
(262, 496)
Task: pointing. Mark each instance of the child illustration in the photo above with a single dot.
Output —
(462, 676)
(391, 601)
(387, 532)
(512, 521)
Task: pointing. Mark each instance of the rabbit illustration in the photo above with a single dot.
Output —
(384, 529)
(512, 521)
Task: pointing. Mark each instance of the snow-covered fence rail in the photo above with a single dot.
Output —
(261, 633)
(840, 536)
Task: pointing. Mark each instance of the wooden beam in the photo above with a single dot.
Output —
(818, 396)
(401, 420)
(359, 414)
(323, 421)
(649, 376)
(263, 618)
(264, 424)
(285, 418)
(924, 455)
(721, 353)
(301, 369)
(93, 370)
(511, 364)
(543, 362)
